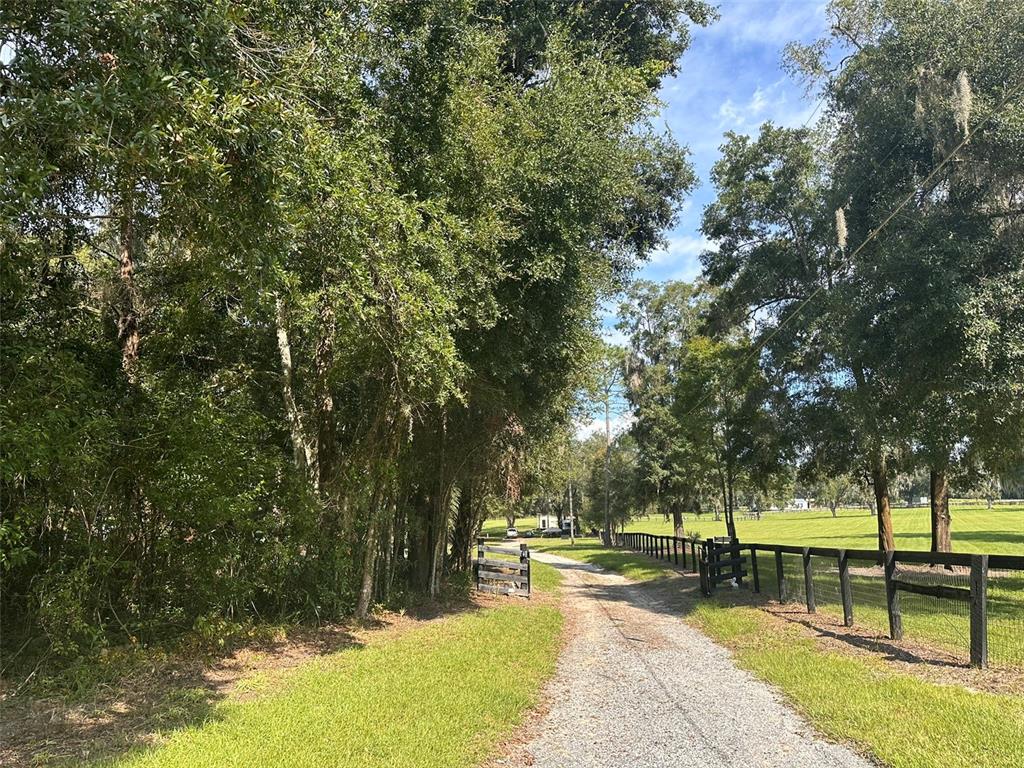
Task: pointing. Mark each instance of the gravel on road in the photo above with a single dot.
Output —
(636, 686)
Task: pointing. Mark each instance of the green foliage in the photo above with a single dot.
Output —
(288, 290)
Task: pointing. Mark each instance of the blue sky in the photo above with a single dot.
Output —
(731, 79)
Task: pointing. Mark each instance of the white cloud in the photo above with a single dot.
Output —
(619, 424)
(680, 258)
(768, 23)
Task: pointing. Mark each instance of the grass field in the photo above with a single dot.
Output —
(974, 528)
(443, 692)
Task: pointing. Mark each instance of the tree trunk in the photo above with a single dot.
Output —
(326, 446)
(677, 521)
(730, 507)
(725, 493)
(880, 481)
(384, 580)
(462, 531)
(420, 541)
(369, 562)
(834, 507)
(939, 489)
(301, 450)
(128, 319)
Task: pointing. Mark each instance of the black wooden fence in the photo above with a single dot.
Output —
(502, 575)
(903, 572)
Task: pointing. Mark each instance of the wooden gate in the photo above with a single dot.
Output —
(498, 574)
(721, 559)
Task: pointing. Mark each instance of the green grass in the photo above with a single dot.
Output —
(441, 695)
(942, 624)
(974, 528)
(588, 550)
(904, 721)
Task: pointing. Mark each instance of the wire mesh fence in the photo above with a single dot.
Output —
(1005, 600)
(867, 588)
(793, 578)
(938, 621)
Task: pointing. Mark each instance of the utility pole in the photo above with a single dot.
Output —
(572, 524)
(607, 470)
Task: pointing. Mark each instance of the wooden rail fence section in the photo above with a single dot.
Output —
(720, 560)
(500, 575)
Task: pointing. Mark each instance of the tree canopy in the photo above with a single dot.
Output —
(290, 289)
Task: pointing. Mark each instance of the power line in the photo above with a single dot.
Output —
(873, 233)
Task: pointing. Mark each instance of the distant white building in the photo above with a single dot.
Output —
(799, 504)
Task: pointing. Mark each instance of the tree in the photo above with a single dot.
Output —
(918, 82)
(731, 432)
(313, 281)
(606, 395)
(658, 321)
(836, 491)
(779, 263)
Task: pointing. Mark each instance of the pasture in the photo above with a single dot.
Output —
(975, 529)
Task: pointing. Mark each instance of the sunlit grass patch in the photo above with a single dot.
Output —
(440, 695)
(904, 721)
(975, 528)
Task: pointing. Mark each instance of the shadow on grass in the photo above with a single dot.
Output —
(128, 713)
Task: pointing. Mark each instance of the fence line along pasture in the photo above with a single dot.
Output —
(968, 606)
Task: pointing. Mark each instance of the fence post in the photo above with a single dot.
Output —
(892, 597)
(524, 559)
(753, 570)
(703, 566)
(780, 576)
(711, 558)
(683, 547)
(693, 555)
(735, 555)
(979, 611)
(808, 581)
(844, 588)
(479, 557)
(675, 549)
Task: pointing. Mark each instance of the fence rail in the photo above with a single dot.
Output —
(880, 582)
(502, 575)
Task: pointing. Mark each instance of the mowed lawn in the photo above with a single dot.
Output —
(444, 695)
(904, 721)
(974, 528)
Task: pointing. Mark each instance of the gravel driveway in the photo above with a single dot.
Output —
(638, 687)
